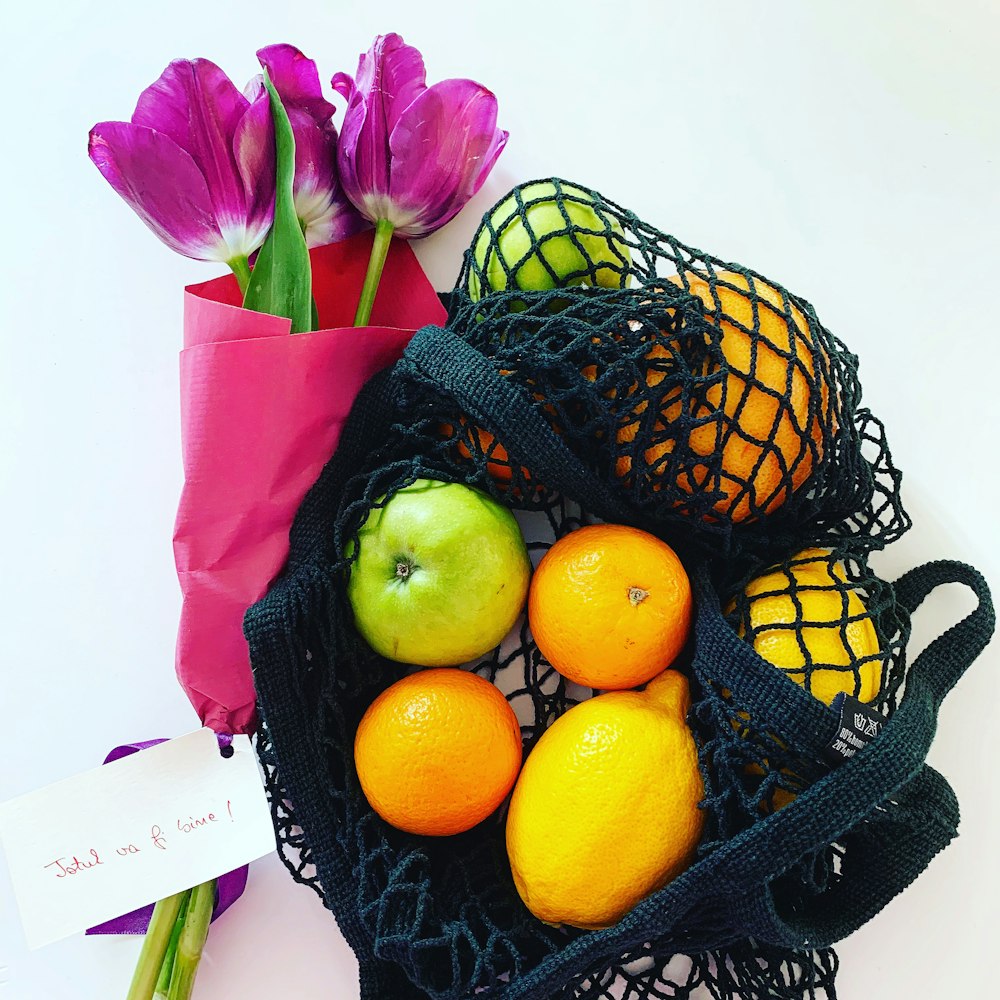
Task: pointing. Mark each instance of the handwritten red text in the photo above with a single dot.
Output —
(74, 867)
(186, 826)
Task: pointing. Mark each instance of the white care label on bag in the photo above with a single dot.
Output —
(107, 841)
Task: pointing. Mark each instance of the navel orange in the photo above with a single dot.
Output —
(610, 606)
(765, 420)
(438, 751)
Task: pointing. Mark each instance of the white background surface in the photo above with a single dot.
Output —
(849, 149)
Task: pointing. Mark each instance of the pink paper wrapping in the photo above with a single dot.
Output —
(261, 413)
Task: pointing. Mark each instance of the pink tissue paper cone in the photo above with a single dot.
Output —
(261, 413)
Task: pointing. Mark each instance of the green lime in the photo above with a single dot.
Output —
(559, 239)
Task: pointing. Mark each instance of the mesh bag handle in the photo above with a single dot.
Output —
(945, 659)
(882, 856)
(869, 800)
(472, 381)
(771, 696)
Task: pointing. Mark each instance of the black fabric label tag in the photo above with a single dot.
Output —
(858, 726)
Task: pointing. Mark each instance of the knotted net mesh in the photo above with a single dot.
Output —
(594, 368)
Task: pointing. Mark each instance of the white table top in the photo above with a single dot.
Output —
(850, 149)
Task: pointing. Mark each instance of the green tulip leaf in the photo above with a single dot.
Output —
(281, 280)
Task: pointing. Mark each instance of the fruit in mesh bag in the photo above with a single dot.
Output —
(549, 240)
(765, 422)
(807, 620)
(606, 808)
(437, 752)
(475, 443)
(472, 441)
(610, 606)
(807, 609)
(441, 574)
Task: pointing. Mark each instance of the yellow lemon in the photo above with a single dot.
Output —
(626, 757)
(830, 623)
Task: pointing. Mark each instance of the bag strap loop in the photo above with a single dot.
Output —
(943, 662)
(507, 410)
(890, 768)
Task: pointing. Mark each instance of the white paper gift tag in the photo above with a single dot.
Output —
(109, 840)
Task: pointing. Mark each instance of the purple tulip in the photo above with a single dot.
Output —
(324, 212)
(196, 163)
(410, 153)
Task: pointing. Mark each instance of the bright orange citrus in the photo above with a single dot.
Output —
(498, 464)
(438, 751)
(610, 606)
(772, 404)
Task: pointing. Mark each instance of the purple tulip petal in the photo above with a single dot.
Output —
(196, 104)
(407, 153)
(254, 89)
(329, 219)
(326, 214)
(253, 150)
(390, 77)
(296, 80)
(340, 221)
(347, 149)
(316, 189)
(315, 165)
(395, 72)
(443, 148)
(177, 206)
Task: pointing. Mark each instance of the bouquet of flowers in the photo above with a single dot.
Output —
(321, 297)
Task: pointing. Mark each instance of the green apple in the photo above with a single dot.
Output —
(550, 245)
(441, 575)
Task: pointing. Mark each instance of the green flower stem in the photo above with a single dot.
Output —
(192, 941)
(380, 250)
(241, 268)
(303, 225)
(167, 968)
(154, 947)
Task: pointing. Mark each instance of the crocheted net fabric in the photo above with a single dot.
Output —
(700, 401)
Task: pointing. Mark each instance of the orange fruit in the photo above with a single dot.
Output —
(497, 460)
(771, 405)
(669, 409)
(471, 440)
(438, 751)
(610, 606)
